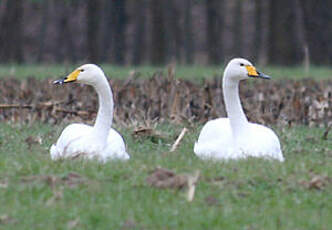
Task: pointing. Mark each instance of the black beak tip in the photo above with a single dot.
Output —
(59, 82)
(263, 76)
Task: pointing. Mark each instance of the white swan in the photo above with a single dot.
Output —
(235, 137)
(100, 141)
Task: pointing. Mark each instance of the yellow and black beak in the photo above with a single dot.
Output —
(252, 72)
(70, 78)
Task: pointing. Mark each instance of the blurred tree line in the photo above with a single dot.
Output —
(159, 31)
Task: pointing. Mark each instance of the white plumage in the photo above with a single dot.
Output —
(234, 137)
(100, 141)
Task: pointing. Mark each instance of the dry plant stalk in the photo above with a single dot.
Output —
(192, 180)
(177, 142)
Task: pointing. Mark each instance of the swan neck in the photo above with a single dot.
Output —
(105, 111)
(238, 119)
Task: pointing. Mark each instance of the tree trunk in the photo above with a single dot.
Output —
(213, 31)
(263, 47)
(229, 29)
(140, 23)
(64, 50)
(283, 40)
(43, 29)
(158, 42)
(301, 43)
(107, 38)
(18, 28)
(188, 33)
(11, 37)
(93, 30)
(173, 31)
(248, 25)
(120, 21)
(318, 27)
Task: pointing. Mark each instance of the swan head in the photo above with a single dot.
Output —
(88, 74)
(240, 69)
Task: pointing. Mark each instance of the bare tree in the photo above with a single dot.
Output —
(300, 37)
(139, 31)
(213, 31)
(120, 22)
(107, 31)
(188, 34)
(172, 30)
(264, 28)
(158, 41)
(11, 36)
(64, 50)
(248, 27)
(43, 28)
(228, 33)
(318, 27)
(93, 29)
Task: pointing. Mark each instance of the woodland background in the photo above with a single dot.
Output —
(157, 32)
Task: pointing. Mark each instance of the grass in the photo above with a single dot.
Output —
(188, 72)
(247, 194)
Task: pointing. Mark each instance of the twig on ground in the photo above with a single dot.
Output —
(192, 180)
(177, 142)
(14, 106)
(30, 106)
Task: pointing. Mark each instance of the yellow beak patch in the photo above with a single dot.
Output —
(73, 76)
(251, 71)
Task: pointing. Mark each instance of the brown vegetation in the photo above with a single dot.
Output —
(285, 102)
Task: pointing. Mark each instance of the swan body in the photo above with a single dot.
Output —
(100, 141)
(234, 137)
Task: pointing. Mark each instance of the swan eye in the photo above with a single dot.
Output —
(241, 64)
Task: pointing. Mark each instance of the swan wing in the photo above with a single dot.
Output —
(263, 142)
(116, 148)
(215, 140)
(69, 134)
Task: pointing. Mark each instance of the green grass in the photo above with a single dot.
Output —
(249, 194)
(187, 72)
